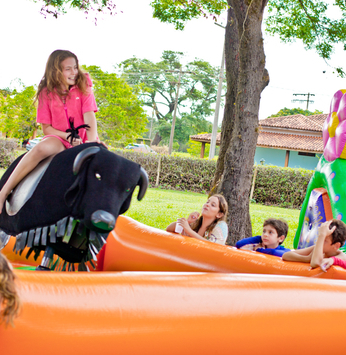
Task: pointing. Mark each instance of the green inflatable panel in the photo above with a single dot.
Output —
(330, 176)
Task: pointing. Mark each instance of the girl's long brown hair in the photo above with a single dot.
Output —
(9, 299)
(53, 77)
(223, 208)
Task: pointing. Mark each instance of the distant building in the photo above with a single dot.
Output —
(289, 141)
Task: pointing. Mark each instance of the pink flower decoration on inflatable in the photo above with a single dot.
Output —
(334, 128)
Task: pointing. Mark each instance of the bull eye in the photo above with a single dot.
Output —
(127, 190)
(98, 176)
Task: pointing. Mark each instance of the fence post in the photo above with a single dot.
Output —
(253, 183)
(158, 172)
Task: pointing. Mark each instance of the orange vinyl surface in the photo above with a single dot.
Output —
(217, 312)
(175, 313)
(133, 246)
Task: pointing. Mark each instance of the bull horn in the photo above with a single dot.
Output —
(143, 184)
(82, 157)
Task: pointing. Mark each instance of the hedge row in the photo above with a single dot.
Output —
(285, 187)
(176, 173)
(275, 186)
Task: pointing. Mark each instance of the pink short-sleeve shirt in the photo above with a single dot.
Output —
(51, 110)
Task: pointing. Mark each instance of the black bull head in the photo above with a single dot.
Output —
(70, 202)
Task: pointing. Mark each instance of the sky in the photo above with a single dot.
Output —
(27, 39)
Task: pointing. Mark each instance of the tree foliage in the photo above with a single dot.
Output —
(121, 116)
(305, 20)
(180, 11)
(59, 7)
(158, 83)
(295, 111)
(183, 10)
(311, 22)
(18, 113)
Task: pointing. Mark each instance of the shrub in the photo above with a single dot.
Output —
(176, 173)
(187, 174)
(285, 187)
(7, 151)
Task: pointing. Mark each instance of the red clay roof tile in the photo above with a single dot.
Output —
(309, 123)
(290, 142)
(283, 140)
(276, 140)
(206, 137)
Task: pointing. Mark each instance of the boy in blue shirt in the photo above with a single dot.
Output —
(273, 235)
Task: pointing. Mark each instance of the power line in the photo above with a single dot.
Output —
(306, 100)
(162, 72)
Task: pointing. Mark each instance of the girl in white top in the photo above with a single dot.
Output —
(209, 225)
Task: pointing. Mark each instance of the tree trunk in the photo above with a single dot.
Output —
(232, 71)
(157, 139)
(246, 78)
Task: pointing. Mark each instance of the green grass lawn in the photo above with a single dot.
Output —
(161, 207)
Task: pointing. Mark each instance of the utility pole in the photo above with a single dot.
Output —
(175, 107)
(151, 124)
(217, 105)
(307, 100)
(217, 108)
(174, 115)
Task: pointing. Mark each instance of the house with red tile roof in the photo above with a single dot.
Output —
(289, 141)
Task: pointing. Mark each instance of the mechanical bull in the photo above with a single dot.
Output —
(69, 203)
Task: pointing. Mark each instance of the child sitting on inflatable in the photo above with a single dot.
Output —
(331, 236)
(273, 235)
(209, 225)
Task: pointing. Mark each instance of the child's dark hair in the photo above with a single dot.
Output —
(339, 235)
(279, 225)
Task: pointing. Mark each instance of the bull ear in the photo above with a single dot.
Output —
(143, 184)
(82, 157)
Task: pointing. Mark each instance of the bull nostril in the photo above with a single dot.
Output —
(103, 220)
